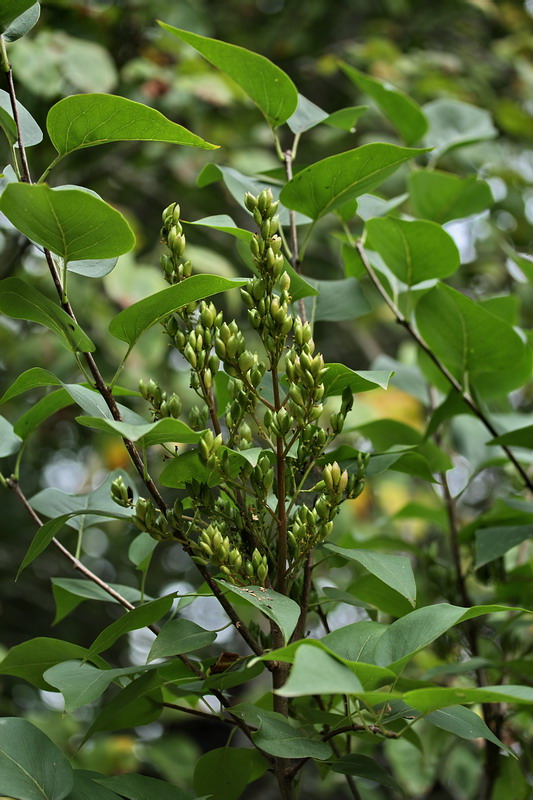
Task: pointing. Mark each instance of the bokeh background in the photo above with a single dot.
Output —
(479, 51)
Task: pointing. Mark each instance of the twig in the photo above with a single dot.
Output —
(467, 397)
(375, 729)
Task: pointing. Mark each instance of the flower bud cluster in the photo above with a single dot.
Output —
(196, 344)
(305, 373)
(268, 313)
(148, 519)
(309, 527)
(162, 405)
(262, 477)
(208, 447)
(175, 267)
(337, 420)
(121, 493)
(215, 548)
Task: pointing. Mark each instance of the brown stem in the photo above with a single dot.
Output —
(295, 262)
(354, 728)
(467, 397)
(13, 101)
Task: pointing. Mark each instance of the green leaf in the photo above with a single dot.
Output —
(9, 441)
(30, 132)
(180, 636)
(47, 532)
(224, 773)
(441, 697)
(414, 251)
(70, 592)
(10, 10)
(277, 736)
(140, 703)
(402, 112)
(151, 433)
(86, 789)
(224, 223)
(23, 23)
(339, 377)
(357, 641)
(472, 342)
(31, 766)
(441, 196)
(129, 324)
(522, 437)
(465, 723)
(81, 683)
(20, 300)
(140, 617)
(453, 123)
(316, 672)
(346, 118)
(238, 184)
(327, 184)
(266, 85)
(336, 300)
(494, 542)
(365, 767)
(93, 267)
(54, 502)
(284, 611)
(395, 571)
(306, 116)
(139, 787)
(85, 120)
(30, 379)
(71, 223)
(185, 468)
(411, 633)
(368, 674)
(141, 549)
(32, 658)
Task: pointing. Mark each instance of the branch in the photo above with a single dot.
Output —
(467, 397)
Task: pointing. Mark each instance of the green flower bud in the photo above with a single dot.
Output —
(190, 355)
(250, 202)
(174, 405)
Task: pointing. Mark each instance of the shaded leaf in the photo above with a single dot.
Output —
(277, 736)
(10, 10)
(9, 441)
(139, 617)
(365, 767)
(23, 23)
(30, 659)
(266, 85)
(30, 132)
(31, 766)
(453, 123)
(140, 703)
(86, 789)
(401, 111)
(442, 196)
(346, 118)
(140, 787)
(465, 723)
(414, 251)
(180, 636)
(70, 592)
(20, 300)
(225, 772)
(472, 342)
(494, 542)
(306, 116)
(336, 300)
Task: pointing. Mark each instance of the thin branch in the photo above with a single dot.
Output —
(6, 66)
(467, 397)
